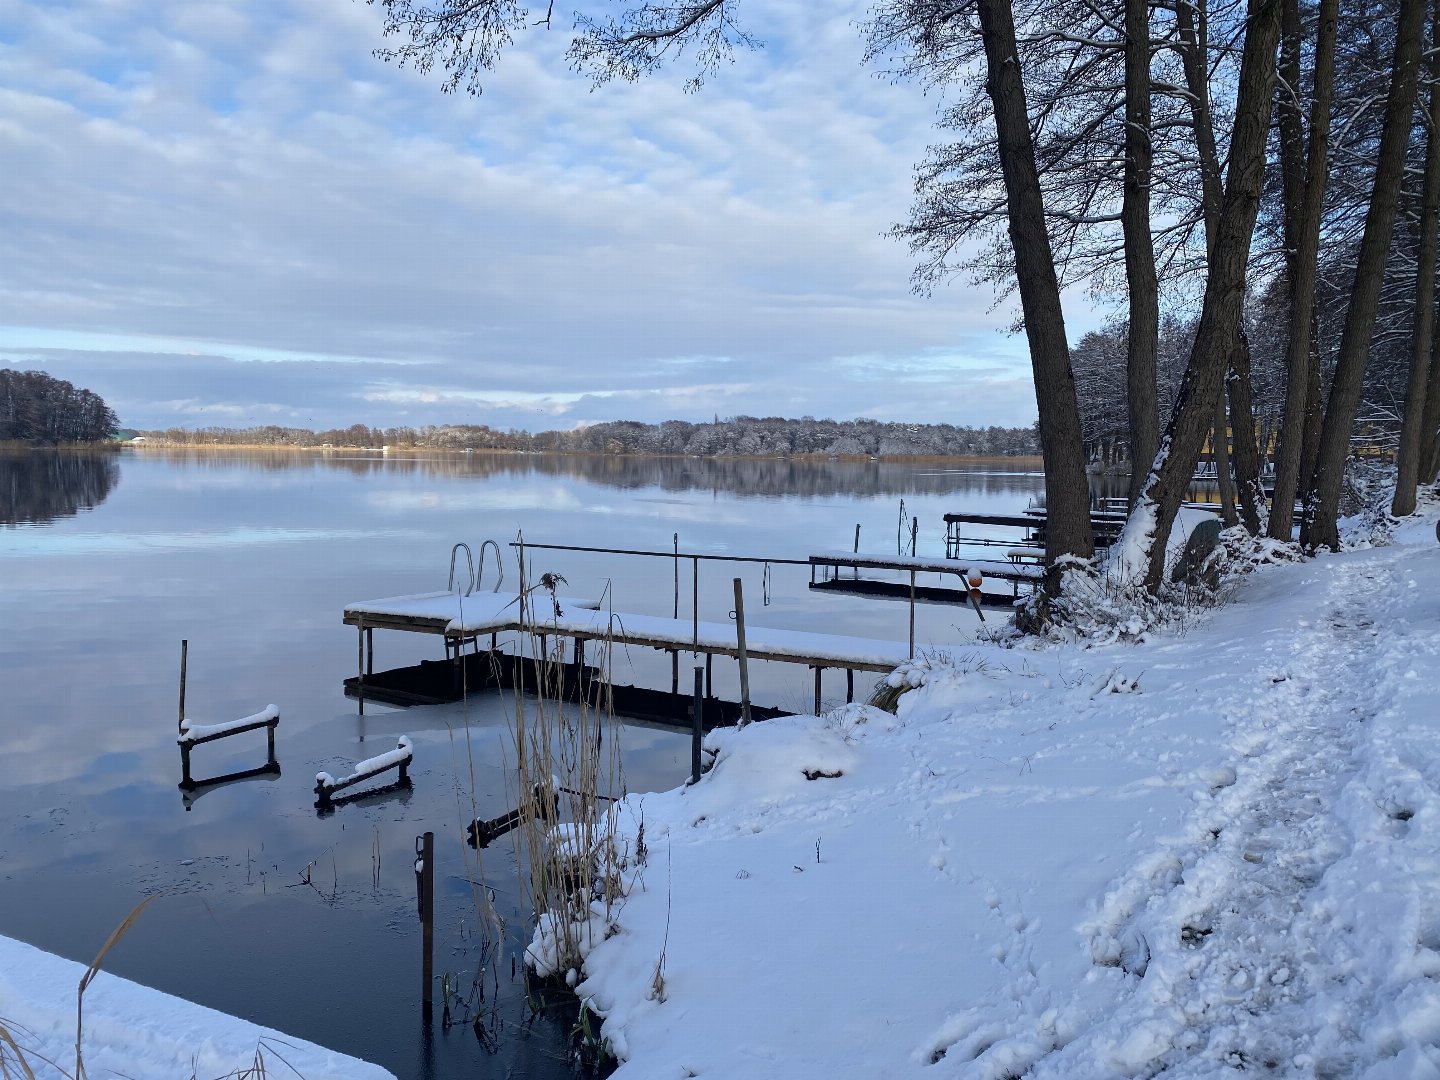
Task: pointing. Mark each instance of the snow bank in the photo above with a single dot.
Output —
(132, 1030)
(1208, 852)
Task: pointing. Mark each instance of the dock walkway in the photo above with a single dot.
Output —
(461, 619)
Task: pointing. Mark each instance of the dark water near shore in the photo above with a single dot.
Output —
(307, 923)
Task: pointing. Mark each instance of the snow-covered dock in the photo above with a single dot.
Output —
(1018, 570)
(464, 618)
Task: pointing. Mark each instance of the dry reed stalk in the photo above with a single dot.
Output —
(11, 1054)
(94, 969)
(563, 754)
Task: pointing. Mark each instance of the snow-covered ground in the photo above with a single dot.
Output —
(133, 1031)
(1216, 850)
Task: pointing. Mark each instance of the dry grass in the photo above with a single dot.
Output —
(568, 757)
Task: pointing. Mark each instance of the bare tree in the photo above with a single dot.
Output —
(1304, 194)
(1141, 549)
(1143, 332)
(1419, 387)
(1322, 503)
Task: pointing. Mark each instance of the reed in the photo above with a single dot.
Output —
(568, 770)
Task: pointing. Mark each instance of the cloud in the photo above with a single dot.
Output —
(201, 186)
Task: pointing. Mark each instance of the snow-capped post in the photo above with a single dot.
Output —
(697, 721)
(740, 650)
(184, 649)
(974, 579)
(425, 896)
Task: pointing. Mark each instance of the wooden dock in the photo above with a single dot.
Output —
(1030, 524)
(1017, 570)
(463, 620)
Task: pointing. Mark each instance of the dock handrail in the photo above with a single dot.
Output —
(667, 554)
(470, 563)
(499, 565)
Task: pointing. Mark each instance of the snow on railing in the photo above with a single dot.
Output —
(193, 734)
(326, 785)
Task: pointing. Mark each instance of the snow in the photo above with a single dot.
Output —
(132, 1030)
(477, 613)
(404, 752)
(190, 731)
(1214, 850)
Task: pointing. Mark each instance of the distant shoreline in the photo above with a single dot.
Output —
(1028, 460)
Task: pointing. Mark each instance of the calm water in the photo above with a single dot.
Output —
(266, 909)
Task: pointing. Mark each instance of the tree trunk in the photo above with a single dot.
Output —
(1322, 504)
(1244, 454)
(1416, 396)
(1300, 419)
(1430, 429)
(1144, 330)
(1067, 497)
(1221, 453)
(1148, 527)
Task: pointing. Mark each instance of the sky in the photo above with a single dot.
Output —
(219, 212)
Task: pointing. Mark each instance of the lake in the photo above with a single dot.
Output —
(304, 922)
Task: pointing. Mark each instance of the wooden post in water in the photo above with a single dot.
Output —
(697, 722)
(740, 649)
(912, 614)
(818, 670)
(425, 881)
(675, 655)
(857, 551)
(360, 663)
(180, 723)
(914, 534)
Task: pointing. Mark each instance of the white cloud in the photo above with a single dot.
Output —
(200, 185)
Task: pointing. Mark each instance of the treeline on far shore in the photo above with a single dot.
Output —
(736, 435)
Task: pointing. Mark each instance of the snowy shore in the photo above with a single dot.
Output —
(134, 1031)
(1218, 849)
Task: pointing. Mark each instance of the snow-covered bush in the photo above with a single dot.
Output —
(1365, 504)
(912, 674)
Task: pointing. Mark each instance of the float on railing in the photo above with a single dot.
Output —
(193, 734)
(399, 759)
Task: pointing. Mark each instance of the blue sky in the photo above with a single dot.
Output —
(217, 212)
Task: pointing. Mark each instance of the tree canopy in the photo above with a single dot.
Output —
(41, 410)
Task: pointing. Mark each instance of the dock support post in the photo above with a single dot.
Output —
(360, 664)
(818, 670)
(695, 601)
(369, 650)
(914, 534)
(709, 675)
(912, 614)
(185, 780)
(425, 884)
(697, 723)
(849, 685)
(180, 723)
(740, 649)
(855, 569)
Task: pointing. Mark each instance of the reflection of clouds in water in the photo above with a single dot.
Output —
(489, 497)
(45, 542)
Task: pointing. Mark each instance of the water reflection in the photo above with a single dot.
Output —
(38, 486)
(773, 477)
